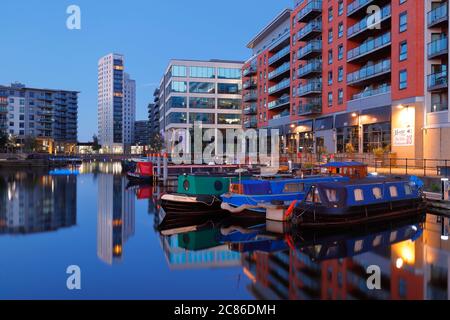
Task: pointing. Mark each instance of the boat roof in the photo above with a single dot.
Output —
(344, 164)
(363, 181)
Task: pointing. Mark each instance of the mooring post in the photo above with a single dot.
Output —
(166, 169)
(445, 187)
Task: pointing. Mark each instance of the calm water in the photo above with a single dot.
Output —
(49, 222)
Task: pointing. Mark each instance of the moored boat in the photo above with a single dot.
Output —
(359, 201)
(142, 174)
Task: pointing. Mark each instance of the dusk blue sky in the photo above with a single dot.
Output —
(38, 49)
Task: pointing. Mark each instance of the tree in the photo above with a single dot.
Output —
(30, 144)
(95, 145)
(156, 142)
(3, 140)
(11, 145)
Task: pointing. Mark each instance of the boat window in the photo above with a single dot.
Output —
(293, 187)
(377, 193)
(309, 197)
(408, 190)
(317, 196)
(331, 195)
(377, 240)
(186, 185)
(359, 245)
(394, 192)
(359, 195)
(393, 236)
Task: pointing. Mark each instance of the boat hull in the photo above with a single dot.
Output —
(137, 178)
(194, 205)
(320, 217)
(256, 203)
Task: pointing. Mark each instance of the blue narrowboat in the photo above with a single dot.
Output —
(254, 195)
(359, 201)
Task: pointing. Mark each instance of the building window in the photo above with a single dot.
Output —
(229, 73)
(403, 51)
(330, 78)
(340, 52)
(340, 96)
(340, 74)
(330, 99)
(202, 87)
(402, 1)
(403, 83)
(232, 104)
(229, 119)
(330, 35)
(439, 102)
(340, 30)
(330, 56)
(330, 14)
(202, 103)
(205, 118)
(341, 7)
(403, 21)
(229, 88)
(178, 71)
(376, 135)
(346, 137)
(202, 72)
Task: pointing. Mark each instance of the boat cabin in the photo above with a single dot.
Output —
(351, 169)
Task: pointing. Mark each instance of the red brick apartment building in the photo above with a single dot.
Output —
(353, 74)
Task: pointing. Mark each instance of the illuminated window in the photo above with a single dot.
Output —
(394, 192)
(377, 193)
(408, 190)
(359, 195)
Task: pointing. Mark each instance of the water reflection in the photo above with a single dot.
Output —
(33, 202)
(115, 216)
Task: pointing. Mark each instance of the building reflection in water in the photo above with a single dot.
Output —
(115, 216)
(411, 269)
(33, 202)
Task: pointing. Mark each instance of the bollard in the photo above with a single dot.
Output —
(166, 168)
(445, 189)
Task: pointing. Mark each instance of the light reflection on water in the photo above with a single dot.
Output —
(96, 220)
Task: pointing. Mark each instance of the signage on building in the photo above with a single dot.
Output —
(404, 137)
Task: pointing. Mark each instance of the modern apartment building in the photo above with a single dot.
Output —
(153, 113)
(141, 133)
(48, 115)
(192, 91)
(116, 104)
(352, 75)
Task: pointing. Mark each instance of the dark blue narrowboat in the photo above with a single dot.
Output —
(359, 201)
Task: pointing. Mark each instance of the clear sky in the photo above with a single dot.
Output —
(37, 49)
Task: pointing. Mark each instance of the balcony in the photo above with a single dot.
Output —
(280, 103)
(357, 5)
(312, 87)
(311, 107)
(251, 70)
(281, 87)
(281, 119)
(438, 16)
(250, 109)
(312, 10)
(372, 92)
(312, 68)
(374, 97)
(368, 22)
(370, 47)
(311, 30)
(278, 57)
(369, 72)
(438, 107)
(438, 81)
(249, 84)
(438, 48)
(281, 71)
(251, 123)
(251, 96)
(311, 50)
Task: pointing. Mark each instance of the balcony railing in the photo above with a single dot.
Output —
(369, 22)
(279, 55)
(438, 80)
(311, 28)
(252, 123)
(249, 84)
(312, 106)
(250, 109)
(312, 9)
(438, 15)
(372, 92)
(369, 46)
(280, 70)
(312, 67)
(249, 71)
(311, 87)
(280, 86)
(283, 101)
(251, 96)
(312, 47)
(369, 71)
(441, 106)
(437, 48)
(357, 5)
